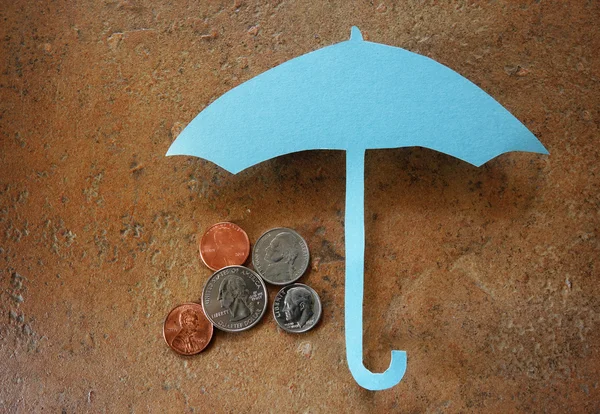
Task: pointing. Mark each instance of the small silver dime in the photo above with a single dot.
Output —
(234, 298)
(280, 256)
(297, 308)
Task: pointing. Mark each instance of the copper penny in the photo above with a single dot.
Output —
(224, 244)
(187, 330)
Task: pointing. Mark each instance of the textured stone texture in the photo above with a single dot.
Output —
(487, 277)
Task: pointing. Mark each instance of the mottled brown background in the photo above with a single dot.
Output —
(487, 277)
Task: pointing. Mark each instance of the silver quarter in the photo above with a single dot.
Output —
(234, 298)
(297, 308)
(280, 256)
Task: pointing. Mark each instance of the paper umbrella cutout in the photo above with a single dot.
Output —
(353, 96)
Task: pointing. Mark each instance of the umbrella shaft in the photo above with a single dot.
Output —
(355, 250)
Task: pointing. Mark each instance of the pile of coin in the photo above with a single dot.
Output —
(234, 298)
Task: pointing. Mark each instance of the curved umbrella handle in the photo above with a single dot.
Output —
(355, 251)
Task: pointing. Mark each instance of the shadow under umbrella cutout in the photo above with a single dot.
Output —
(353, 96)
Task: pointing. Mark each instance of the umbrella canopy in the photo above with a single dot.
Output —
(353, 96)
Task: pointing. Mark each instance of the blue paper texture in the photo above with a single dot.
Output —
(352, 96)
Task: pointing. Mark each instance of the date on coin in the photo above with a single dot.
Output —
(224, 244)
(187, 330)
(234, 298)
(297, 308)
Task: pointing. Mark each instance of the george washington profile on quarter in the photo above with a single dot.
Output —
(233, 296)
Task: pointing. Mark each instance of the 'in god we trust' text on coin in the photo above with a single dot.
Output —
(234, 298)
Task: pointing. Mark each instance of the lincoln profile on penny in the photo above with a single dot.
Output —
(233, 296)
(298, 305)
(189, 339)
(281, 255)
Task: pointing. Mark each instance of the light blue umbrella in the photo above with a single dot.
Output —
(353, 96)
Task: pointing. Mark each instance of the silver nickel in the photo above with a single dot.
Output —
(280, 256)
(297, 308)
(234, 299)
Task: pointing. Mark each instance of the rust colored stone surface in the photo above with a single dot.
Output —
(488, 277)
